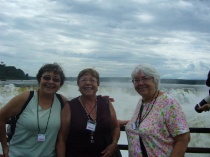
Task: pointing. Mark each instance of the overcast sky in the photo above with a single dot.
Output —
(112, 36)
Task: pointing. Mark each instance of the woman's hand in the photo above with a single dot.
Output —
(122, 122)
(108, 152)
(108, 98)
(205, 107)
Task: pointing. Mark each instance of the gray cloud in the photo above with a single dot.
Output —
(110, 36)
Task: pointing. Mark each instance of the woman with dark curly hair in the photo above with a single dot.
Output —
(38, 124)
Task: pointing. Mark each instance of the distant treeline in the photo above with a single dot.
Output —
(128, 79)
(180, 81)
(11, 73)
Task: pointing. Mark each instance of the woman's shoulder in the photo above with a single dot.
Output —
(103, 98)
(23, 96)
(167, 99)
(73, 100)
(166, 96)
(15, 105)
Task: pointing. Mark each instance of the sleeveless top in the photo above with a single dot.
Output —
(78, 142)
(24, 141)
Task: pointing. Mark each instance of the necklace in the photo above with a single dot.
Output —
(85, 108)
(91, 123)
(140, 118)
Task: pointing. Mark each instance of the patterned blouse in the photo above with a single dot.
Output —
(165, 121)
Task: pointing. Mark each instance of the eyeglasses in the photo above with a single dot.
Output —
(48, 78)
(143, 79)
(86, 80)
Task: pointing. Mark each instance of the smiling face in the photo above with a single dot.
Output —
(55, 68)
(88, 85)
(144, 85)
(50, 82)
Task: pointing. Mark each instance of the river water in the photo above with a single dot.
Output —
(125, 102)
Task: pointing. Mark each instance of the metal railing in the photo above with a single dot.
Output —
(189, 149)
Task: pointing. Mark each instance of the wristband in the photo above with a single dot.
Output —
(115, 142)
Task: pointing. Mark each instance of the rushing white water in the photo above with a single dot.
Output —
(125, 102)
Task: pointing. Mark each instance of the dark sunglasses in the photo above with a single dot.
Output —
(48, 78)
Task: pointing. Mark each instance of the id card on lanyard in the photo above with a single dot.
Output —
(41, 137)
(91, 125)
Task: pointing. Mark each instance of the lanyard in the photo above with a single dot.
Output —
(47, 119)
(140, 118)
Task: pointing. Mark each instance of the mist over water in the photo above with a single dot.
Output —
(126, 99)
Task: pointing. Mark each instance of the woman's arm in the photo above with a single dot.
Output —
(64, 99)
(11, 109)
(205, 107)
(181, 143)
(63, 132)
(115, 124)
(178, 127)
(115, 133)
(122, 122)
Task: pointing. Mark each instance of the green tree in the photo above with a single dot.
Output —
(11, 73)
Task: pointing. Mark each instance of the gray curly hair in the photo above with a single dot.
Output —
(148, 70)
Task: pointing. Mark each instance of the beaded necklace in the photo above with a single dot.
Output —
(85, 108)
(89, 117)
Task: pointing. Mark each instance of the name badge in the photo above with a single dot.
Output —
(41, 137)
(133, 126)
(91, 125)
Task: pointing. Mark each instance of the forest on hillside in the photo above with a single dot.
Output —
(11, 73)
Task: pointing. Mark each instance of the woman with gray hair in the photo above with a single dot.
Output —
(158, 126)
